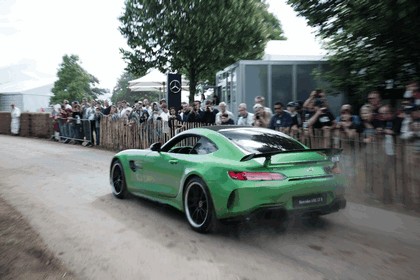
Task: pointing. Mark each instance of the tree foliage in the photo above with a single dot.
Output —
(122, 92)
(195, 37)
(368, 42)
(74, 82)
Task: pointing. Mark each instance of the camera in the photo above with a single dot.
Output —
(257, 117)
(318, 92)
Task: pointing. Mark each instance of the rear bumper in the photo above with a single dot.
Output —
(280, 212)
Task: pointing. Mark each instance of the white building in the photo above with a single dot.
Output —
(29, 100)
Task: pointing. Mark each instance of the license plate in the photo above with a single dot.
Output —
(309, 200)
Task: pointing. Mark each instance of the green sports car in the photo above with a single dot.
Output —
(222, 173)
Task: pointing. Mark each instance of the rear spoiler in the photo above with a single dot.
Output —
(330, 152)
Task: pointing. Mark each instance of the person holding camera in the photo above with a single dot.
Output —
(208, 115)
(323, 120)
(195, 113)
(346, 125)
(281, 120)
(261, 117)
(317, 94)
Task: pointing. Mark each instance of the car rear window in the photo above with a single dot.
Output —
(254, 141)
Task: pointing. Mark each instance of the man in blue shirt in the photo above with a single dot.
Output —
(281, 120)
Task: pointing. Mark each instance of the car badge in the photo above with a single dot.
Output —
(310, 169)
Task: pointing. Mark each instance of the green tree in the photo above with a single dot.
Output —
(368, 42)
(122, 92)
(74, 82)
(195, 37)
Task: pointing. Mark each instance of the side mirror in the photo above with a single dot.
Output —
(156, 146)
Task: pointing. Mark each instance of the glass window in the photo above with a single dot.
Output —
(261, 141)
(190, 144)
(282, 83)
(306, 81)
(256, 83)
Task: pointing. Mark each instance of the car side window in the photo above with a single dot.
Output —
(182, 145)
(204, 146)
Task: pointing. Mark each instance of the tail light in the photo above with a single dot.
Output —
(335, 168)
(256, 176)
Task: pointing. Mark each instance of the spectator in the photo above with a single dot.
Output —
(388, 124)
(146, 105)
(55, 113)
(388, 128)
(223, 109)
(164, 119)
(196, 112)
(322, 119)
(317, 94)
(261, 116)
(367, 129)
(76, 124)
(125, 110)
(261, 100)
(98, 118)
(186, 110)
(64, 131)
(410, 124)
(374, 99)
(245, 118)
(346, 125)
(155, 112)
(209, 113)
(106, 110)
(295, 127)
(281, 120)
(15, 123)
(226, 120)
(67, 106)
(139, 114)
(114, 114)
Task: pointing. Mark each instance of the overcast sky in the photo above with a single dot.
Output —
(35, 35)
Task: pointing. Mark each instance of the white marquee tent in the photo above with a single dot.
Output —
(155, 80)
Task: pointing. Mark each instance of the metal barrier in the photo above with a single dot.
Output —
(78, 131)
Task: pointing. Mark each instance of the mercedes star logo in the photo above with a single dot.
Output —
(175, 86)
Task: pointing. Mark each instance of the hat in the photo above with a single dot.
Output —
(292, 104)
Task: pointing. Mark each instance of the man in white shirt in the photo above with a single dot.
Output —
(261, 100)
(245, 118)
(15, 124)
(223, 109)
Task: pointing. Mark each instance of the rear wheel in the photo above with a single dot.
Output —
(118, 183)
(198, 206)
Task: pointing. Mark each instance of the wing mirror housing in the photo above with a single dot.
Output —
(156, 146)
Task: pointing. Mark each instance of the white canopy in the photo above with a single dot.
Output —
(154, 80)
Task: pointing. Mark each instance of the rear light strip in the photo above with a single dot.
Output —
(256, 176)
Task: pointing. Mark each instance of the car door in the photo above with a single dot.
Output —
(163, 171)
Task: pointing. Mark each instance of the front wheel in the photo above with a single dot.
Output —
(198, 206)
(118, 183)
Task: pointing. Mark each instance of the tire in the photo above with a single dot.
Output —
(118, 182)
(198, 206)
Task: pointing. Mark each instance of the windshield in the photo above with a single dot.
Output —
(255, 141)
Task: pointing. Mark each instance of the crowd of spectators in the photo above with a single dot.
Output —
(80, 122)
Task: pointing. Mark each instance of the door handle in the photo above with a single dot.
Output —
(173, 161)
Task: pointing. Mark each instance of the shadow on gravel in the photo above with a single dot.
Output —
(143, 213)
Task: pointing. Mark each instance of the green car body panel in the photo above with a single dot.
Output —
(162, 176)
